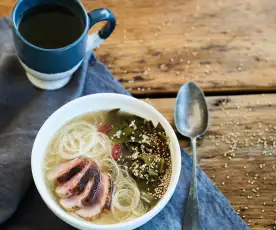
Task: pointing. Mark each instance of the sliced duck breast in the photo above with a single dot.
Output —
(82, 189)
(67, 170)
(70, 187)
(98, 204)
(89, 174)
(93, 193)
(109, 195)
(75, 202)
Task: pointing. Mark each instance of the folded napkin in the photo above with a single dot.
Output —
(24, 108)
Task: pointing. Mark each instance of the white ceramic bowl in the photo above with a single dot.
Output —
(93, 103)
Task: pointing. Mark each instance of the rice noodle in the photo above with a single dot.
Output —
(78, 139)
(126, 199)
(140, 210)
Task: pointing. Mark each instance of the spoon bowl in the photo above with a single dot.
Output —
(191, 111)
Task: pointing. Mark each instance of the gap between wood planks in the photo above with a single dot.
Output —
(207, 94)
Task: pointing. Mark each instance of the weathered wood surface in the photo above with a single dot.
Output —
(158, 45)
(235, 153)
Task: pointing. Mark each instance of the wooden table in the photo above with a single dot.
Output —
(228, 47)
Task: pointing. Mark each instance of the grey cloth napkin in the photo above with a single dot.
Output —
(23, 109)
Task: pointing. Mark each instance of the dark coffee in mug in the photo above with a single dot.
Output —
(51, 26)
(51, 38)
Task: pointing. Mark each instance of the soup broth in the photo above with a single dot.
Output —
(108, 167)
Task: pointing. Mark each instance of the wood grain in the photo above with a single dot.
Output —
(235, 151)
(158, 45)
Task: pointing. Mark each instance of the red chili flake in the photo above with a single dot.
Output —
(116, 151)
(105, 128)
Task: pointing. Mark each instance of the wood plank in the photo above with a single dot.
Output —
(235, 153)
(158, 45)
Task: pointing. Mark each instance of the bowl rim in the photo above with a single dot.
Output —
(82, 224)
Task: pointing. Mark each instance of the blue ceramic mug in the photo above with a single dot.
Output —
(52, 68)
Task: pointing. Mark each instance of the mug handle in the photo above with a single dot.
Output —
(97, 38)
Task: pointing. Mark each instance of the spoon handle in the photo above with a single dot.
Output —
(191, 216)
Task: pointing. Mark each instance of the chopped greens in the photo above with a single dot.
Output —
(145, 151)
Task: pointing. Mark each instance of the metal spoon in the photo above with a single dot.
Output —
(192, 120)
